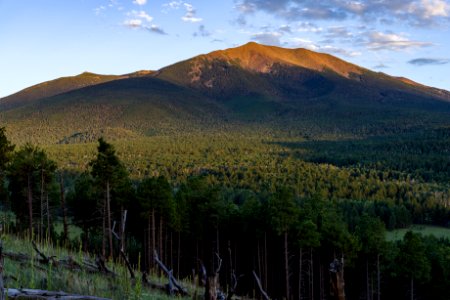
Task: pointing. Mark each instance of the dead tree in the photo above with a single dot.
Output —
(337, 279)
(173, 287)
(212, 287)
(261, 290)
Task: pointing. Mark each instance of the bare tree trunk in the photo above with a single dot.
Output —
(312, 274)
(321, 283)
(108, 215)
(367, 280)
(123, 223)
(412, 288)
(2, 287)
(41, 221)
(266, 270)
(161, 252)
(30, 204)
(258, 253)
(153, 231)
(178, 254)
(149, 244)
(286, 265)
(378, 278)
(300, 273)
(63, 208)
(47, 207)
(104, 229)
(171, 249)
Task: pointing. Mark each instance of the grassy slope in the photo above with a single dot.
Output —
(48, 278)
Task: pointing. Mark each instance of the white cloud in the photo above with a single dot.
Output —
(134, 23)
(173, 4)
(389, 41)
(431, 8)
(310, 45)
(140, 2)
(143, 15)
(190, 15)
(411, 12)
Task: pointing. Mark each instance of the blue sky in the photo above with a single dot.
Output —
(45, 39)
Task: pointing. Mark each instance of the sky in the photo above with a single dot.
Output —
(42, 40)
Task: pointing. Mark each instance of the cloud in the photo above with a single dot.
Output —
(338, 32)
(190, 15)
(140, 15)
(173, 4)
(133, 23)
(202, 32)
(428, 61)
(140, 2)
(285, 28)
(155, 29)
(380, 66)
(267, 38)
(308, 27)
(308, 44)
(413, 12)
(142, 20)
(389, 41)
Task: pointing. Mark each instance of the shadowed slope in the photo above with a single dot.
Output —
(59, 86)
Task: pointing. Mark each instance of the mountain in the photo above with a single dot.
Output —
(61, 85)
(251, 87)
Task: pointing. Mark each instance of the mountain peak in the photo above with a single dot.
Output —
(260, 58)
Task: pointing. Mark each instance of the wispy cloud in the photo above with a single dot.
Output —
(415, 12)
(140, 15)
(428, 61)
(189, 16)
(311, 45)
(202, 32)
(155, 29)
(388, 41)
(380, 66)
(140, 2)
(267, 38)
(133, 23)
(140, 19)
(191, 13)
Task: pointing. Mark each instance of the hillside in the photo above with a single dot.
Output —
(248, 88)
(61, 85)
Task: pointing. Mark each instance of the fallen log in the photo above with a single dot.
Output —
(29, 294)
(69, 262)
(46, 260)
(173, 286)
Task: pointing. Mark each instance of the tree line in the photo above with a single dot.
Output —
(298, 245)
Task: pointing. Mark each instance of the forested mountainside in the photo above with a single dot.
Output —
(256, 172)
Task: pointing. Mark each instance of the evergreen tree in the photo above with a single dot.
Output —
(30, 171)
(110, 174)
(284, 213)
(6, 153)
